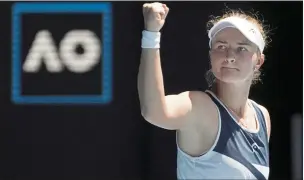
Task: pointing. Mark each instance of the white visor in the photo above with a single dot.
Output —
(248, 29)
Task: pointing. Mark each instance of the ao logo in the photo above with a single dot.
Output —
(44, 50)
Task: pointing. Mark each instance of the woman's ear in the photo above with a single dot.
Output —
(260, 61)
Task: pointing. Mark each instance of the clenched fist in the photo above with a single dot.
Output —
(154, 16)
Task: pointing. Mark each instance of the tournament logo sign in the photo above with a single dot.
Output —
(62, 53)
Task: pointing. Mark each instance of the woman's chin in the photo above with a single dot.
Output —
(230, 79)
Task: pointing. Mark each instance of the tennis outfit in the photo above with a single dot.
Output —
(237, 153)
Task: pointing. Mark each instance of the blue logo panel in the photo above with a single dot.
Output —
(19, 9)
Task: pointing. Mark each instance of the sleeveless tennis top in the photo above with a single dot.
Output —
(236, 154)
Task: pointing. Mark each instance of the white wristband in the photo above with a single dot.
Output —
(150, 39)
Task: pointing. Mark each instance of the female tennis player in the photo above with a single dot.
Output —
(221, 133)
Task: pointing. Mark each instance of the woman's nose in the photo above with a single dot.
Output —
(230, 57)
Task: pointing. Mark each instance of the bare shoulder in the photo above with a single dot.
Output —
(203, 106)
(199, 97)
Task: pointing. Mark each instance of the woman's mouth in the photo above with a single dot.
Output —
(230, 68)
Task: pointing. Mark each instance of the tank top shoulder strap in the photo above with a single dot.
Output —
(215, 101)
(260, 117)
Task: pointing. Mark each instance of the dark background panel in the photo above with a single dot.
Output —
(113, 141)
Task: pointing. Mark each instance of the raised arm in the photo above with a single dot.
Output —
(171, 111)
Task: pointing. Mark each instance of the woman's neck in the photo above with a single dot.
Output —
(234, 96)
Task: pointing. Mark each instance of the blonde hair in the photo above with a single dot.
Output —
(251, 17)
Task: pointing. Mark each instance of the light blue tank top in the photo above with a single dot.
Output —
(236, 154)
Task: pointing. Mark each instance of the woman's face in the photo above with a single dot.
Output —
(233, 57)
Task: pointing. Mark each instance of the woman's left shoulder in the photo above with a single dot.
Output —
(266, 117)
(262, 108)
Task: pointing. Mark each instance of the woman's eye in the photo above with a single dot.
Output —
(242, 49)
(221, 47)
